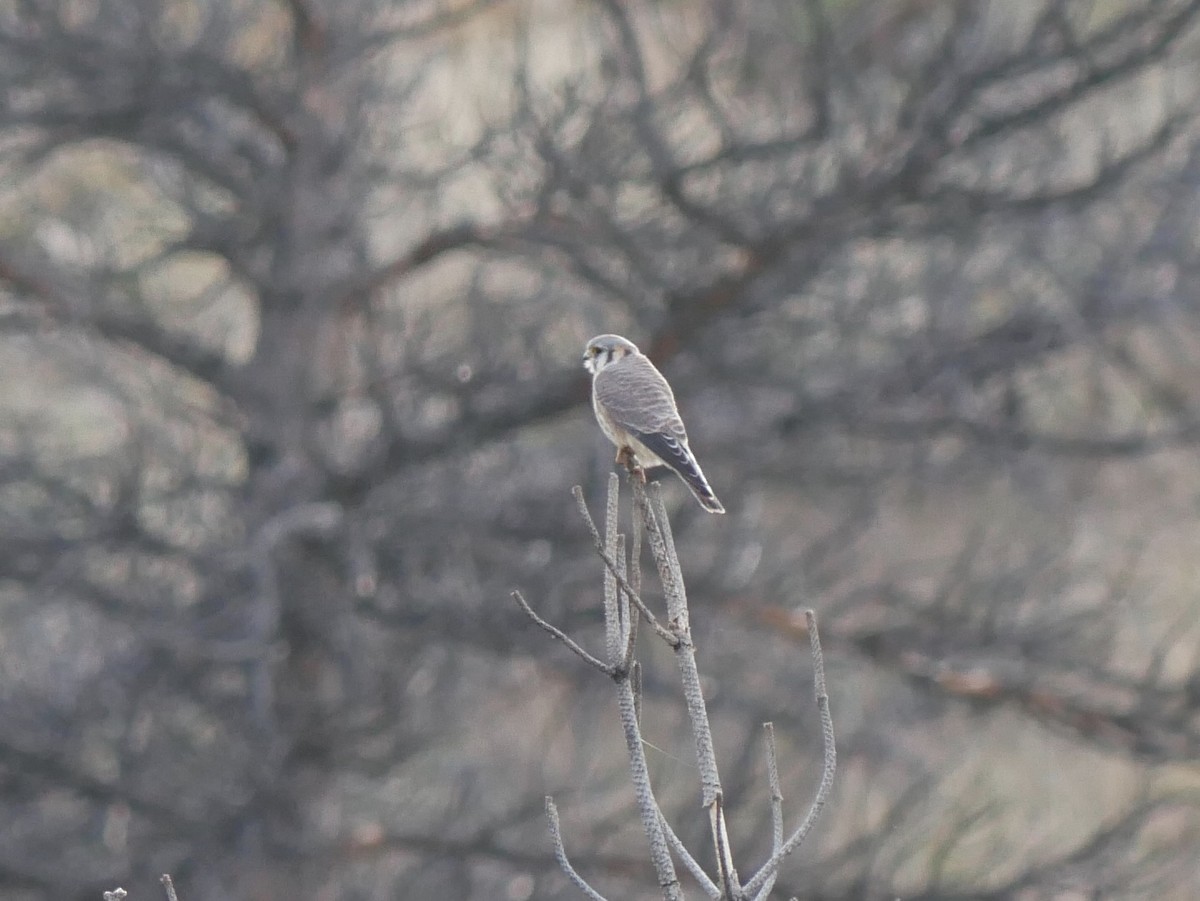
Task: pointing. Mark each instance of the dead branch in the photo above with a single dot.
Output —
(620, 597)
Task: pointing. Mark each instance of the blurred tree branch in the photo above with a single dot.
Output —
(290, 302)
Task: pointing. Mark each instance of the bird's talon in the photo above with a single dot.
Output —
(627, 458)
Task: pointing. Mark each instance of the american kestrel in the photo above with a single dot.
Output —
(636, 410)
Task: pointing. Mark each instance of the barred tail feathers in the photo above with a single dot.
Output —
(679, 458)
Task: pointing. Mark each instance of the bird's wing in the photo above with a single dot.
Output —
(638, 399)
(670, 450)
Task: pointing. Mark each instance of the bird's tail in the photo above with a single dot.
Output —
(694, 479)
(678, 457)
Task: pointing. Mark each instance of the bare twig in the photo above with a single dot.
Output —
(773, 784)
(667, 574)
(561, 636)
(168, 886)
(631, 629)
(828, 769)
(629, 707)
(662, 545)
(560, 852)
(665, 634)
(776, 807)
(634, 572)
(709, 887)
(649, 513)
(635, 682)
(613, 601)
(651, 815)
(726, 871)
(627, 679)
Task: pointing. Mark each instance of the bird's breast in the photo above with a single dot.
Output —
(607, 426)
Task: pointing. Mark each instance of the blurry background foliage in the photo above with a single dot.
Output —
(292, 299)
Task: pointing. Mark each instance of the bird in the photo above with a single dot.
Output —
(636, 410)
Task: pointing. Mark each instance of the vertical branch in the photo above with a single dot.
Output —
(635, 583)
(168, 886)
(724, 854)
(622, 624)
(774, 786)
(560, 853)
(651, 816)
(776, 807)
(612, 599)
(709, 887)
(631, 631)
(664, 558)
(662, 546)
(628, 704)
(829, 767)
(829, 741)
(635, 680)
(665, 634)
(635, 552)
(659, 532)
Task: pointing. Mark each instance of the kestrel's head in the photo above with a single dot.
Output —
(605, 349)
